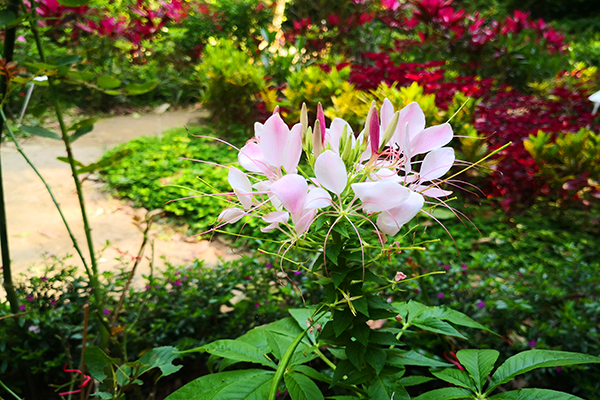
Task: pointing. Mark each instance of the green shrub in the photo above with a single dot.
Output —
(532, 279)
(230, 83)
(156, 173)
(181, 306)
(570, 163)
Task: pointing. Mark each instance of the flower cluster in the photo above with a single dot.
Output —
(386, 171)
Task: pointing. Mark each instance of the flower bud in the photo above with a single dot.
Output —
(304, 120)
(316, 140)
(399, 276)
(390, 130)
(372, 128)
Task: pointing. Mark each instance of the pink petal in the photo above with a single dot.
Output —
(231, 215)
(334, 133)
(436, 163)
(414, 116)
(291, 190)
(431, 138)
(431, 191)
(374, 131)
(293, 150)
(321, 118)
(381, 195)
(252, 159)
(331, 172)
(387, 113)
(317, 198)
(392, 220)
(274, 219)
(276, 216)
(241, 187)
(302, 221)
(273, 140)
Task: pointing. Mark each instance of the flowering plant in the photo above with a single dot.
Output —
(340, 212)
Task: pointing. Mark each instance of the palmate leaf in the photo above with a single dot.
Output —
(534, 394)
(249, 384)
(301, 387)
(450, 393)
(479, 364)
(532, 359)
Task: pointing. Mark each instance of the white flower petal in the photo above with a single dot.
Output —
(392, 220)
(436, 163)
(291, 190)
(381, 195)
(331, 172)
(231, 215)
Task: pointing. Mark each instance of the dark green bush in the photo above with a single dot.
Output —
(532, 278)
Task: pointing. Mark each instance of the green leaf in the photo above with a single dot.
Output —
(66, 160)
(248, 384)
(437, 326)
(80, 132)
(6, 17)
(108, 82)
(103, 395)
(376, 358)
(414, 380)
(67, 60)
(414, 309)
(446, 393)
(534, 394)
(97, 361)
(377, 390)
(479, 363)
(310, 372)
(82, 124)
(532, 359)
(161, 358)
(398, 357)
(73, 3)
(238, 351)
(455, 377)
(37, 131)
(301, 387)
(455, 317)
(106, 161)
(140, 88)
(355, 353)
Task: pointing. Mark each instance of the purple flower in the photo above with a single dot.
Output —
(464, 267)
(257, 304)
(106, 311)
(297, 272)
(559, 369)
(22, 307)
(269, 265)
(30, 298)
(480, 304)
(44, 279)
(248, 278)
(446, 267)
(53, 302)
(177, 282)
(440, 295)
(532, 343)
(148, 287)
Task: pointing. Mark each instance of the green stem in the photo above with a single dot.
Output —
(325, 359)
(11, 294)
(283, 363)
(9, 391)
(94, 281)
(49, 189)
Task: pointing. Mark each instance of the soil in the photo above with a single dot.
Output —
(34, 225)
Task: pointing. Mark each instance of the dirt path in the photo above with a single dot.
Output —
(35, 227)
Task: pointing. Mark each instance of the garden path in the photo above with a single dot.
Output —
(35, 227)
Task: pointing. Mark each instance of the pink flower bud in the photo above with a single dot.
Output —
(399, 276)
